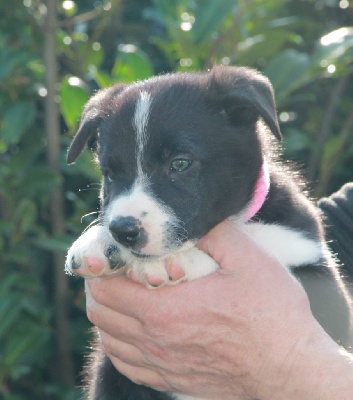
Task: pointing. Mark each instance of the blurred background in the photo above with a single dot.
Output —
(53, 55)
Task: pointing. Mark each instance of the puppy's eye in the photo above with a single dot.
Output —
(180, 164)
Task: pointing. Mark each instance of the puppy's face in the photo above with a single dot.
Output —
(176, 160)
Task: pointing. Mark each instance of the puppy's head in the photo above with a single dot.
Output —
(179, 154)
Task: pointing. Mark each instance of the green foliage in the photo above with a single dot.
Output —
(74, 95)
(131, 65)
(16, 119)
(305, 48)
(291, 69)
(210, 16)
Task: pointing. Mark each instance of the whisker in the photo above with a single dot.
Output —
(89, 188)
(95, 222)
(91, 213)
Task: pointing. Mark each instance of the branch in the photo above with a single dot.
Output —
(65, 368)
(78, 19)
(327, 169)
(325, 127)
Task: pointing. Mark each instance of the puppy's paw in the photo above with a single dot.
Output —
(152, 274)
(184, 266)
(189, 265)
(157, 273)
(94, 254)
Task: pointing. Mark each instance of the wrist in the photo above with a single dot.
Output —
(318, 369)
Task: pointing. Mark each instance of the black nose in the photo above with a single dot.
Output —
(125, 230)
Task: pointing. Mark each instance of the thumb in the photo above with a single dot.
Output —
(233, 249)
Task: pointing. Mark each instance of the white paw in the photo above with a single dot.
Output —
(94, 254)
(182, 266)
(195, 263)
(152, 273)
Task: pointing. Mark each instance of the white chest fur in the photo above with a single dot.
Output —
(292, 248)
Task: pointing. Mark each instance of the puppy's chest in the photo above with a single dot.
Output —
(291, 247)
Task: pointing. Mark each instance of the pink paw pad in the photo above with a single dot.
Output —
(94, 265)
(133, 277)
(154, 280)
(175, 272)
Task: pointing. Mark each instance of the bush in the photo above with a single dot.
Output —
(306, 49)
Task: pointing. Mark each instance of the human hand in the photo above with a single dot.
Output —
(243, 332)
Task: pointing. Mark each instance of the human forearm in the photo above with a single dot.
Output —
(321, 370)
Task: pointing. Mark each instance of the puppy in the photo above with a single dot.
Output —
(179, 154)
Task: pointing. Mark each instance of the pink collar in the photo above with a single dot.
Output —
(260, 193)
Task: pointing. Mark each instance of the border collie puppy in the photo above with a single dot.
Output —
(179, 154)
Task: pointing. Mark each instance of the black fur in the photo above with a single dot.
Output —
(281, 206)
(213, 119)
(221, 108)
(104, 382)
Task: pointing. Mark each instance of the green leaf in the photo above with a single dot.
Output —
(331, 149)
(25, 215)
(288, 71)
(209, 16)
(84, 165)
(8, 282)
(91, 54)
(27, 340)
(254, 48)
(131, 65)
(295, 141)
(10, 308)
(17, 119)
(39, 180)
(58, 243)
(74, 94)
(103, 79)
(9, 60)
(335, 47)
(167, 13)
(31, 147)
(167, 9)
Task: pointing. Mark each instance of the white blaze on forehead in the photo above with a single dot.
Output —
(140, 122)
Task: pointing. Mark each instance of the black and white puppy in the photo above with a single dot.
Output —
(179, 154)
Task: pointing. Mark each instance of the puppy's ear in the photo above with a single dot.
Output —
(245, 94)
(93, 114)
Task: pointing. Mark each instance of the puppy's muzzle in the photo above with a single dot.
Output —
(126, 230)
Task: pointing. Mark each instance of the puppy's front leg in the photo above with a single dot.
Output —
(182, 266)
(93, 254)
(195, 263)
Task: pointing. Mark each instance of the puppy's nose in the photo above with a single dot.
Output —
(125, 230)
